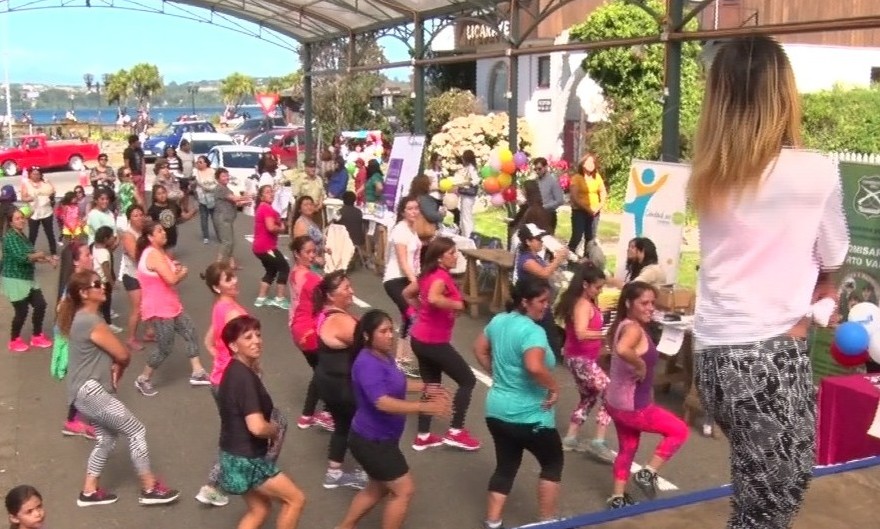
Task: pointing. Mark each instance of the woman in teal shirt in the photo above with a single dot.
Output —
(513, 348)
(375, 180)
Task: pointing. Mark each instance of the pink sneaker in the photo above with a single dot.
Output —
(80, 428)
(325, 421)
(17, 346)
(431, 441)
(305, 422)
(462, 440)
(41, 342)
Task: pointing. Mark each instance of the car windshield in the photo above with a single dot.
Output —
(265, 140)
(240, 159)
(167, 131)
(203, 146)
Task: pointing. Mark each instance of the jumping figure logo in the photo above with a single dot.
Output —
(647, 184)
(867, 199)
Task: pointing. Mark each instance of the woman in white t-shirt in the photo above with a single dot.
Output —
(39, 193)
(770, 239)
(401, 268)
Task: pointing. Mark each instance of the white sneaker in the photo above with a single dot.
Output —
(116, 329)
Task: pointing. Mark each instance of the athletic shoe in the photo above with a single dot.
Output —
(281, 303)
(429, 442)
(619, 502)
(462, 440)
(115, 329)
(114, 315)
(135, 345)
(199, 379)
(409, 369)
(305, 422)
(647, 481)
(205, 241)
(99, 497)
(325, 421)
(145, 387)
(210, 496)
(345, 479)
(487, 525)
(41, 342)
(259, 302)
(17, 346)
(571, 444)
(158, 495)
(598, 448)
(80, 428)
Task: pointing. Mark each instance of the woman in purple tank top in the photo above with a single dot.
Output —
(629, 398)
(583, 344)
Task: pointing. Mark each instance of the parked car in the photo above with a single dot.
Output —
(37, 150)
(286, 144)
(249, 128)
(240, 160)
(154, 146)
(202, 142)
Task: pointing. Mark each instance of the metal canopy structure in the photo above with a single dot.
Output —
(317, 23)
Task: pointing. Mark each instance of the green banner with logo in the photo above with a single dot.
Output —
(859, 279)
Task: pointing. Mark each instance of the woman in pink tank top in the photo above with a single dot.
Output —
(438, 302)
(583, 343)
(158, 276)
(223, 283)
(629, 397)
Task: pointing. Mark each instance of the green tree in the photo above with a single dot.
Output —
(440, 109)
(341, 100)
(117, 88)
(632, 81)
(236, 87)
(842, 120)
(145, 82)
(279, 84)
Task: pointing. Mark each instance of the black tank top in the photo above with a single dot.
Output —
(334, 361)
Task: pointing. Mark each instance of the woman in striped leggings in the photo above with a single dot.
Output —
(97, 360)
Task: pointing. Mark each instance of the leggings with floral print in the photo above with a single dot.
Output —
(591, 382)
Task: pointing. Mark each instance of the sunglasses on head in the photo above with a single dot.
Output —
(96, 284)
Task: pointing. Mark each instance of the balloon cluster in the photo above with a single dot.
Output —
(497, 175)
(858, 339)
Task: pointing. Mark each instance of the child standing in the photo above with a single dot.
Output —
(102, 255)
(73, 224)
(24, 505)
(629, 397)
(127, 195)
(583, 343)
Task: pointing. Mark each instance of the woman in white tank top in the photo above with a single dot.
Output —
(128, 273)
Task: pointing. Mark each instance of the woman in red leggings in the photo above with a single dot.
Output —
(629, 396)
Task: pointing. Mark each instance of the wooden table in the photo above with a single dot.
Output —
(376, 244)
(501, 291)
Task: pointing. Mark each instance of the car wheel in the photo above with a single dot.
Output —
(76, 163)
(10, 168)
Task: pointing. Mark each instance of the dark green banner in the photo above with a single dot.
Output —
(859, 279)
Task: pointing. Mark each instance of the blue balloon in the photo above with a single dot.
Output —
(852, 338)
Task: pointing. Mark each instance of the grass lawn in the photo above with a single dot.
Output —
(491, 222)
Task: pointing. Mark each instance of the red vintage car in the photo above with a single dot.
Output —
(285, 143)
(36, 150)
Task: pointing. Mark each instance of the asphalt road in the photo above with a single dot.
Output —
(182, 426)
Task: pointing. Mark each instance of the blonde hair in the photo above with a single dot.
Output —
(751, 109)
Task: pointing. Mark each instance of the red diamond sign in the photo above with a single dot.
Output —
(267, 102)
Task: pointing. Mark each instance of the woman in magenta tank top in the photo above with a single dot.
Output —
(222, 282)
(583, 343)
(629, 398)
(437, 301)
(159, 276)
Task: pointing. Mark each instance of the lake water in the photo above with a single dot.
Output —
(107, 116)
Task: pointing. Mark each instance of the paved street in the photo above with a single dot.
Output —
(182, 429)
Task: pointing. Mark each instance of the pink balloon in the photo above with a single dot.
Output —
(497, 199)
(564, 181)
(521, 159)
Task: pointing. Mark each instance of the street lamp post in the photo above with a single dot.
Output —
(71, 97)
(193, 90)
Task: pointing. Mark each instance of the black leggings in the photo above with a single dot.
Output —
(394, 288)
(511, 440)
(34, 299)
(276, 267)
(436, 359)
(338, 396)
(48, 227)
(312, 391)
(105, 307)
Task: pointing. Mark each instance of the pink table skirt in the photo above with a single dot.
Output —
(847, 405)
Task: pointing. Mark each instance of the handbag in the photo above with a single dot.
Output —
(424, 230)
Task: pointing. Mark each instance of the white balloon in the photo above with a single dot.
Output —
(874, 347)
(450, 201)
(866, 314)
